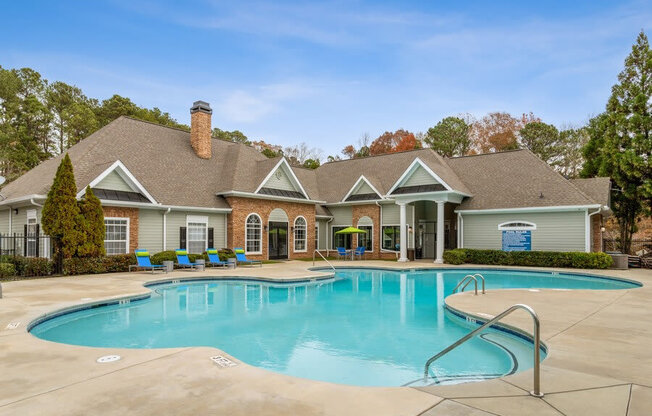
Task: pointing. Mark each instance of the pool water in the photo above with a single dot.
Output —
(365, 327)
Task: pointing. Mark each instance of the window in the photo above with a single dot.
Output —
(316, 236)
(32, 243)
(196, 234)
(340, 240)
(116, 239)
(517, 225)
(253, 234)
(366, 240)
(300, 234)
(391, 237)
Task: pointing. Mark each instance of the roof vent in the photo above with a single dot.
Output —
(541, 195)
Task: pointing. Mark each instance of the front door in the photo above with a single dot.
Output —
(278, 240)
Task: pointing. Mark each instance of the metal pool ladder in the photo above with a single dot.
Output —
(468, 278)
(322, 256)
(536, 391)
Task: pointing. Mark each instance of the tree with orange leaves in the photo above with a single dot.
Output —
(398, 141)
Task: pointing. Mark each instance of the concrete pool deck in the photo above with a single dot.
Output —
(599, 360)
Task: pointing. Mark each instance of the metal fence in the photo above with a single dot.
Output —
(638, 247)
(26, 245)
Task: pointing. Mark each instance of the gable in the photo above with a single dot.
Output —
(114, 182)
(362, 190)
(419, 177)
(281, 181)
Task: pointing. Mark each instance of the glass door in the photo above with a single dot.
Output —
(278, 240)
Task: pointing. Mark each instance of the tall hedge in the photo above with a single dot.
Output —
(61, 216)
(573, 259)
(92, 226)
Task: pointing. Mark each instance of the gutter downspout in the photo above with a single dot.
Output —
(31, 201)
(588, 229)
(328, 232)
(165, 228)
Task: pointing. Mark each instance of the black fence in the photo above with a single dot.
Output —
(638, 247)
(26, 245)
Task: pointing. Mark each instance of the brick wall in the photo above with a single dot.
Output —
(242, 207)
(132, 214)
(372, 211)
(596, 234)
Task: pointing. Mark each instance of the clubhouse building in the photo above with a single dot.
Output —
(163, 188)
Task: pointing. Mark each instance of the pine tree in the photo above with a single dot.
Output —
(92, 226)
(621, 142)
(61, 217)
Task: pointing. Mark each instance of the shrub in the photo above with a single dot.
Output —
(94, 265)
(7, 270)
(170, 255)
(29, 266)
(457, 256)
(571, 259)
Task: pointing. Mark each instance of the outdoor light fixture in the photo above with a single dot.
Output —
(602, 229)
(15, 211)
(266, 227)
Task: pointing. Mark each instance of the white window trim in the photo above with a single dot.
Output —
(316, 235)
(381, 237)
(373, 228)
(261, 234)
(294, 235)
(197, 219)
(128, 231)
(528, 227)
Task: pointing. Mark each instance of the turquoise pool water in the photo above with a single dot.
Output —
(364, 327)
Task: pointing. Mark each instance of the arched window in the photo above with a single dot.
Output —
(253, 234)
(517, 225)
(300, 234)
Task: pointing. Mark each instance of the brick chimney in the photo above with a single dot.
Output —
(200, 129)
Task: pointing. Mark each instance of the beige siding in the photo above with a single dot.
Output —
(420, 177)
(150, 230)
(115, 182)
(278, 215)
(364, 189)
(323, 232)
(19, 220)
(341, 215)
(177, 219)
(392, 214)
(556, 231)
(4, 221)
(281, 181)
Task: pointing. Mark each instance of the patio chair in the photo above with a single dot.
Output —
(242, 259)
(144, 262)
(341, 253)
(183, 262)
(214, 259)
(359, 252)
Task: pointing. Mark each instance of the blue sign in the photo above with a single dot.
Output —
(517, 240)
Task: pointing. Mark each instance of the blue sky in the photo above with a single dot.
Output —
(328, 72)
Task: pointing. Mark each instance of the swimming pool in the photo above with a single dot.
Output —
(368, 327)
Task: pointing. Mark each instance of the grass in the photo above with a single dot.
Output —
(317, 258)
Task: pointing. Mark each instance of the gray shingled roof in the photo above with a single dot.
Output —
(514, 179)
(599, 189)
(163, 161)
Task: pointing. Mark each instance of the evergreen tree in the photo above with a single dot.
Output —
(543, 140)
(450, 137)
(621, 141)
(92, 226)
(61, 217)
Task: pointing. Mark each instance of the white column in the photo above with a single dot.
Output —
(439, 249)
(403, 232)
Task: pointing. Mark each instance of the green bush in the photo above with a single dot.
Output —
(170, 255)
(457, 256)
(29, 266)
(7, 270)
(94, 265)
(572, 259)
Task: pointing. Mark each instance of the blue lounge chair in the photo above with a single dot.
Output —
(144, 262)
(214, 259)
(242, 259)
(183, 261)
(341, 253)
(359, 252)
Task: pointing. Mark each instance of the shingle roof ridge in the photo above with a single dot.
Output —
(384, 154)
(487, 154)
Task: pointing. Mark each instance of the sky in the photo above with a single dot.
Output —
(326, 73)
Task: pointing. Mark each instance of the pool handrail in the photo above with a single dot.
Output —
(536, 390)
(467, 279)
(322, 256)
(481, 277)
